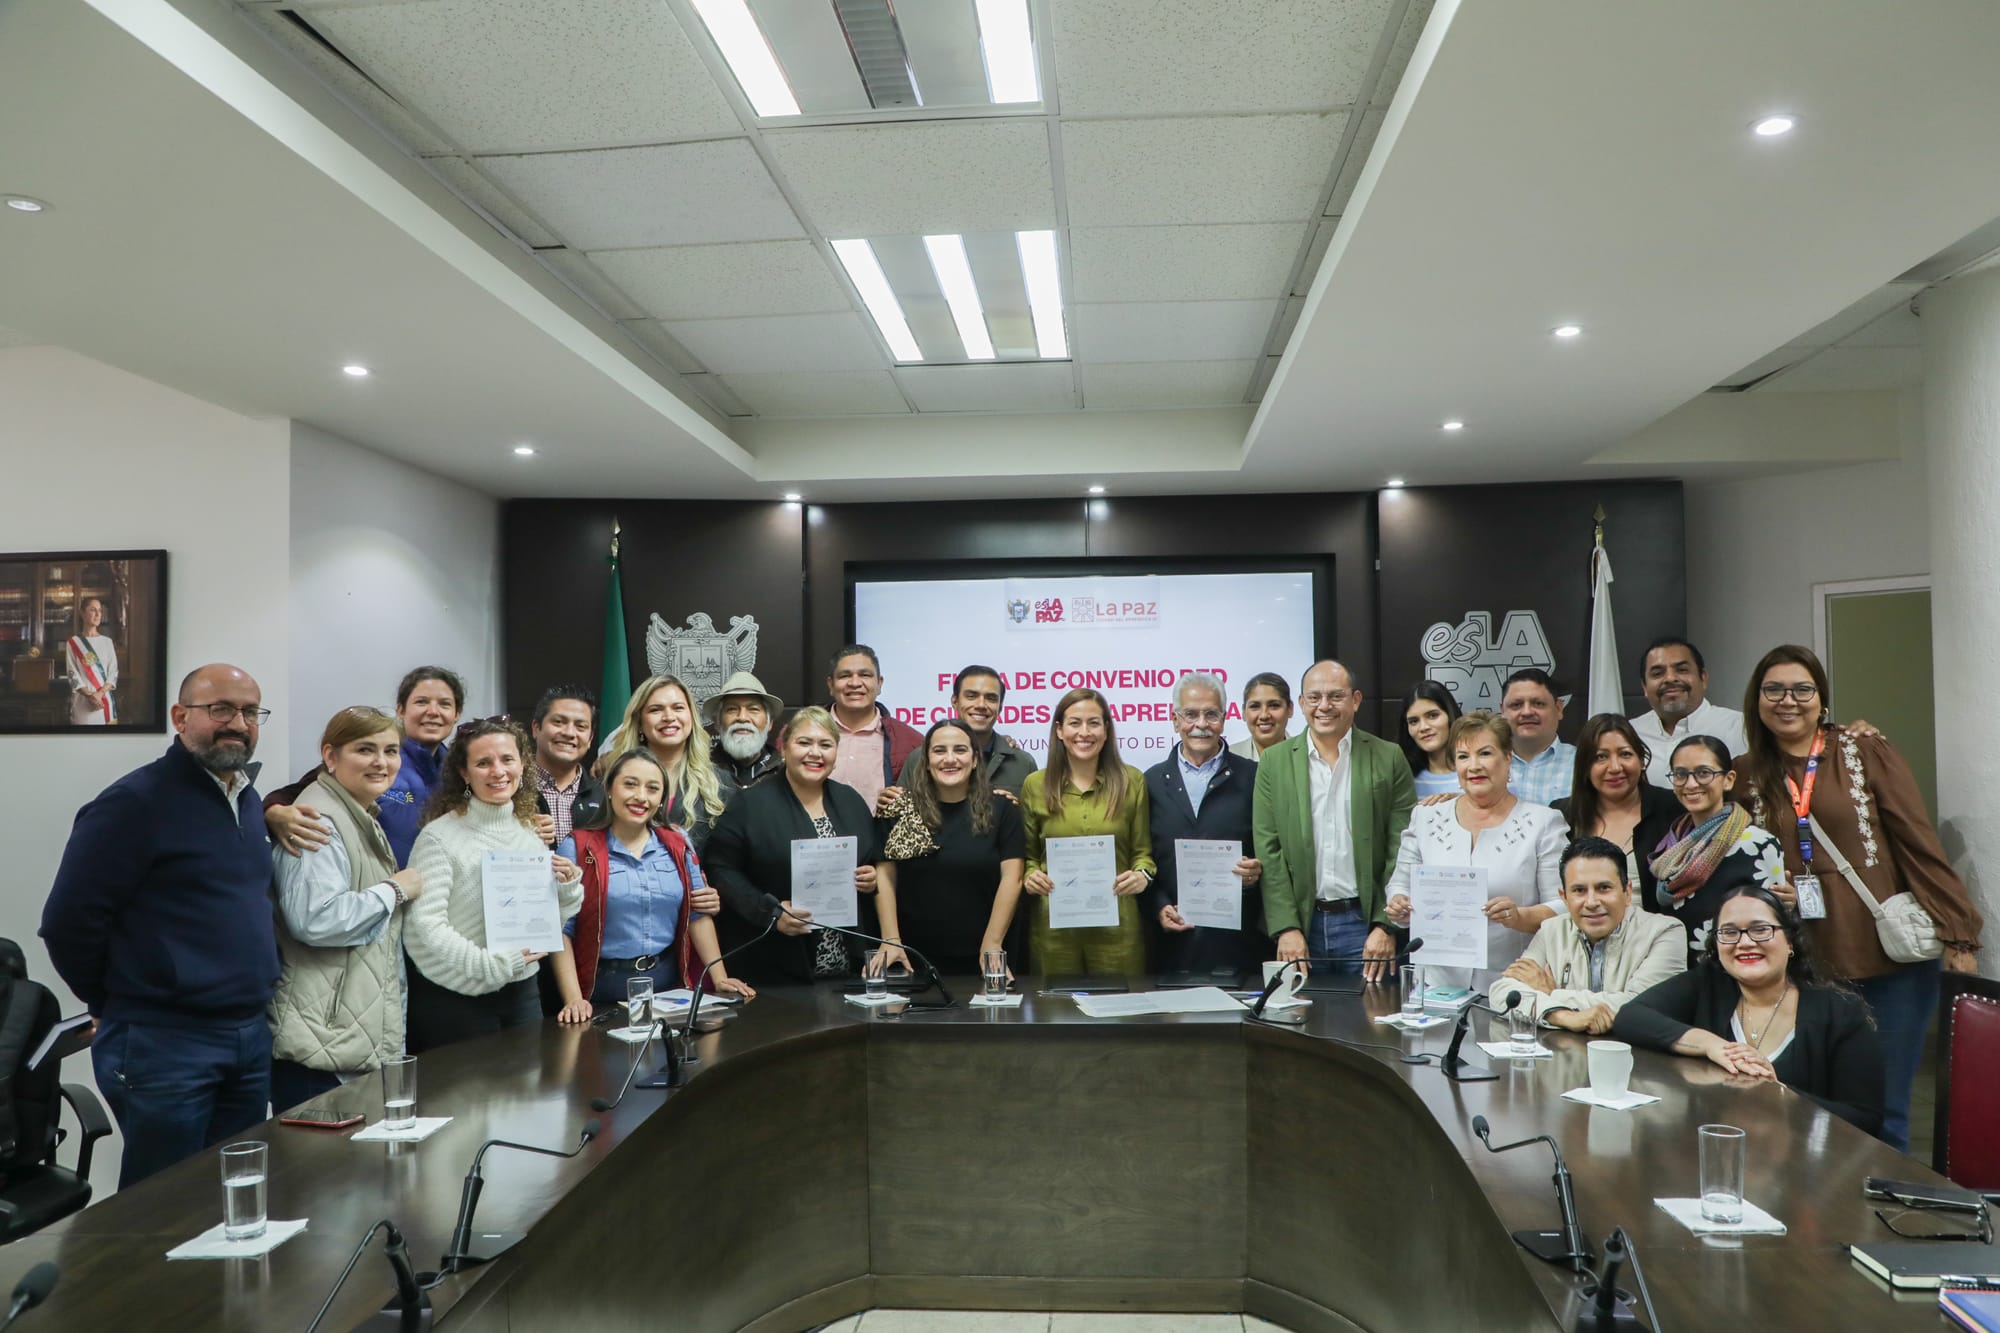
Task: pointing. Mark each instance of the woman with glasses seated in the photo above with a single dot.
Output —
(1754, 1005)
(1713, 848)
(1873, 840)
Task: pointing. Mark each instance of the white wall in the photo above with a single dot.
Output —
(1756, 548)
(391, 567)
(96, 457)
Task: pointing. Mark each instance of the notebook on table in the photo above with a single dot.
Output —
(1922, 1263)
(1978, 1311)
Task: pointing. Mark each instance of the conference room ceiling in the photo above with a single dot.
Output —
(1293, 236)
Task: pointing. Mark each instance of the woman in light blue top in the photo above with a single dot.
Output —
(1428, 712)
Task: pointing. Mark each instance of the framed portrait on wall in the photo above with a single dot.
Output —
(83, 642)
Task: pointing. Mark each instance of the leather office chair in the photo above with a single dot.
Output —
(1968, 1082)
(35, 1189)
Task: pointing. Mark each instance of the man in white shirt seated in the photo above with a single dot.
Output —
(1582, 966)
(1675, 680)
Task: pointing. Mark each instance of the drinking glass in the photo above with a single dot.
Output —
(876, 984)
(1722, 1173)
(638, 1004)
(1413, 991)
(1520, 1031)
(399, 1091)
(244, 1169)
(993, 967)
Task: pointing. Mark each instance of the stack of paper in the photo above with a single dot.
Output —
(1196, 1000)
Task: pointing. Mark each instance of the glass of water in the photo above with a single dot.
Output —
(993, 967)
(1520, 1031)
(1413, 991)
(1722, 1173)
(244, 1170)
(639, 1004)
(399, 1091)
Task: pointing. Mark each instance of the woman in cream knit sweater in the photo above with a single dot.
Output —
(459, 988)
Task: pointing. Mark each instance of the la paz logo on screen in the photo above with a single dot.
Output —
(1083, 609)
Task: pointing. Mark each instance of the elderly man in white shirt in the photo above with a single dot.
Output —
(1582, 966)
(1675, 680)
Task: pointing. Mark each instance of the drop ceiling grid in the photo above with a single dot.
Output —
(717, 281)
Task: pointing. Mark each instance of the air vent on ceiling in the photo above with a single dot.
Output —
(875, 39)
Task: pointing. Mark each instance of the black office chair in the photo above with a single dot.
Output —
(35, 1189)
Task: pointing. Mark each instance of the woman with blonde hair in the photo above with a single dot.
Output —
(482, 803)
(661, 718)
(1087, 790)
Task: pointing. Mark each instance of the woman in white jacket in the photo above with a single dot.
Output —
(459, 987)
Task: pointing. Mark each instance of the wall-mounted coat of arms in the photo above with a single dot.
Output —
(701, 655)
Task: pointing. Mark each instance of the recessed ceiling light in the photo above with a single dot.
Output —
(961, 293)
(748, 52)
(524, 451)
(1567, 330)
(1097, 490)
(22, 203)
(1453, 425)
(793, 497)
(1042, 275)
(1394, 483)
(858, 258)
(1770, 127)
(357, 371)
(1009, 47)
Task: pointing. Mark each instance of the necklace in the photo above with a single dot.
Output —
(1757, 1034)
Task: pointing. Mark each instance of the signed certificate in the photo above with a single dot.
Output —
(520, 899)
(1448, 912)
(823, 880)
(1205, 876)
(1085, 874)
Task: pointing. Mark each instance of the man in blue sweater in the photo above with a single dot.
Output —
(160, 921)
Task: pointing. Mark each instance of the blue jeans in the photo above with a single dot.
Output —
(1337, 935)
(1904, 1001)
(176, 1091)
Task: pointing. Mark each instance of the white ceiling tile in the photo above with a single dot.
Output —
(1209, 263)
(1149, 57)
(845, 393)
(1218, 169)
(580, 273)
(1047, 386)
(725, 281)
(1900, 327)
(471, 185)
(1357, 157)
(1851, 368)
(1173, 331)
(523, 75)
(1414, 19)
(782, 343)
(626, 198)
(909, 179)
(1166, 383)
(1864, 311)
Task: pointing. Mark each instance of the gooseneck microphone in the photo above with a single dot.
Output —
(1557, 1247)
(603, 1104)
(1598, 1306)
(411, 1301)
(931, 975)
(459, 1256)
(700, 988)
(33, 1288)
(1263, 999)
(1461, 1070)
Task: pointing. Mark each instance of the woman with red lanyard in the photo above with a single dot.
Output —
(646, 909)
(1852, 822)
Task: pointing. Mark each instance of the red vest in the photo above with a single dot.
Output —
(593, 857)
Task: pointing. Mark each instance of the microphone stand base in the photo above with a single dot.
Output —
(483, 1248)
(1581, 1316)
(1466, 1072)
(392, 1318)
(1550, 1247)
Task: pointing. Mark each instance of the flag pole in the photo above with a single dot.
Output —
(615, 687)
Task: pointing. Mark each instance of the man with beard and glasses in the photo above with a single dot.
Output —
(160, 921)
(564, 719)
(1203, 791)
(740, 719)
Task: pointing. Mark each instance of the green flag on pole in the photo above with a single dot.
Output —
(616, 689)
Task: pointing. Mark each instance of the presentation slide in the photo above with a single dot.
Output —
(1127, 637)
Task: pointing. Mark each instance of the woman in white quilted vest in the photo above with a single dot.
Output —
(460, 988)
(338, 1009)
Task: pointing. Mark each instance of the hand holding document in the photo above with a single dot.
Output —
(1085, 874)
(823, 880)
(1210, 890)
(520, 900)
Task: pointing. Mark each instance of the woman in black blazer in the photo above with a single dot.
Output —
(1755, 1006)
(1610, 798)
(749, 860)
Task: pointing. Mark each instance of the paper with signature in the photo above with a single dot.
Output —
(521, 907)
(1448, 912)
(1211, 892)
(1085, 874)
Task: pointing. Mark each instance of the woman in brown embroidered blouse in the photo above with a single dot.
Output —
(1862, 795)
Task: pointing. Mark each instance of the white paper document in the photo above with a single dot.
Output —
(823, 880)
(1085, 874)
(1193, 1000)
(1448, 913)
(1211, 894)
(521, 907)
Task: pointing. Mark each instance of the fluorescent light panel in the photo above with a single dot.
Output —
(743, 45)
(858, 258)
(961, 293)
(1009, 47)
(1043, 277)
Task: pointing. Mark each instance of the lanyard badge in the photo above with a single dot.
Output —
(1812, 902)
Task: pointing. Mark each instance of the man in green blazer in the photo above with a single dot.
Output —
(1329, 815)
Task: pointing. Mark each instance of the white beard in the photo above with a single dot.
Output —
(743, 746)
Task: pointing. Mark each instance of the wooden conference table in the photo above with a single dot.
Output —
(824, 1159)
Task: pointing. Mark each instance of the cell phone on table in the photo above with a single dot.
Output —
(315, 1119)
(1915, 1194)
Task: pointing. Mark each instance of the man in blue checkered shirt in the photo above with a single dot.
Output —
(1544, 767)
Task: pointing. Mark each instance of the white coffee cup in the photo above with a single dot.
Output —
(1610, 1068)
(1295, 981)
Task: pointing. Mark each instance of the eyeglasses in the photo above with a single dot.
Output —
(1700, 777)
(1199, 714)
(1803, 692)
(467, 728)
(1760, 932)
(1332, 698)
(1981, 1223)
(226, 713)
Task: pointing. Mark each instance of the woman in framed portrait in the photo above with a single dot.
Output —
(93, 669)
